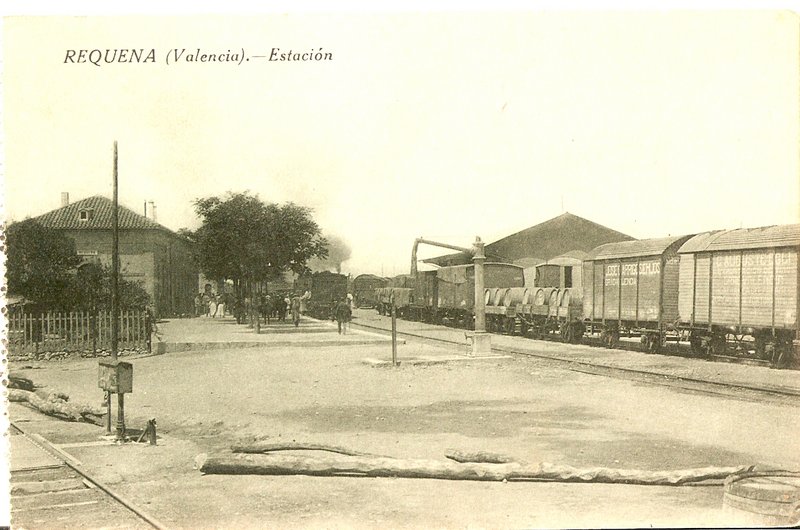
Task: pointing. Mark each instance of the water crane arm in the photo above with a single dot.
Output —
(435, 244)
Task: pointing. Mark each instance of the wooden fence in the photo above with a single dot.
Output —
(74, 331)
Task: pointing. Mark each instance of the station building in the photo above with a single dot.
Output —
(562, 242)
(151, 254)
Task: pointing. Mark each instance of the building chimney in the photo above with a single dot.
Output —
(153, 211)
(64, 199)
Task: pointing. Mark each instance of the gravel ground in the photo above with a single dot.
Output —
(528, 408)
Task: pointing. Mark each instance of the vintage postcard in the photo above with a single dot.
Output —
(516, 267)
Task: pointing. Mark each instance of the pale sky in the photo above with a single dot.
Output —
(444, 125)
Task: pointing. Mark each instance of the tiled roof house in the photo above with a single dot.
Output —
(150, 253)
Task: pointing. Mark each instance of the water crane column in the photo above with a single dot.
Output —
(481, 341)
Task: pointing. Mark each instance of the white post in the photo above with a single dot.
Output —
(481, 341)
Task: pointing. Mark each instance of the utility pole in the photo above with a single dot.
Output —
(115, 303)
(115, 264)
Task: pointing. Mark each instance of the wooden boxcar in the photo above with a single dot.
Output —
(632, 287)
(424, 298)
(364, 289)
(326, 288)
(455, 289)
(398, 289)
(741, 283)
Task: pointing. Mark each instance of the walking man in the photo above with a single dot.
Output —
(343, 314)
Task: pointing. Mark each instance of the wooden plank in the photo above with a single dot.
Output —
(628, 288)
(687, 279)
(757, 288)
(671, 288)
(611, 286)
(725, 297)
(786, 288)
(649, 289)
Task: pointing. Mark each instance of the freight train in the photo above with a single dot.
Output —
(724, 292)
(326, 289)
(365, 288)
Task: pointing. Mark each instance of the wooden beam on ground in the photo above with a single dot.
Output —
(56, 404)
(264, 447)
(273, 464)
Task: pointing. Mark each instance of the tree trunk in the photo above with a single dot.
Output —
(271, 464)
(56, 404)
(263, 447)
(479, 456)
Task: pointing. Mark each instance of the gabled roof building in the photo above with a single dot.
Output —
(542, 242)
(150, 253)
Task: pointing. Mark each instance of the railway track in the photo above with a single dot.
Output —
(737, 390)
(49, 489)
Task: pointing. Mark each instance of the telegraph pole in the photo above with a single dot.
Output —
(115, 265)
(115, 300)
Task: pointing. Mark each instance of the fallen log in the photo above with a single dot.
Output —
(264, 447)
(478, 457)
(53, 404)
(20, 382)
(272, 464)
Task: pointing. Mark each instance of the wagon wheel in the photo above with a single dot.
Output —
(610, 338)
(716, 344)
(654, 343)
(760, 346)
(566, 332)
(784, 354)
(696, 342)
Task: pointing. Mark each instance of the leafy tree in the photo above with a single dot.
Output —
(246, 240)
(39, 264)
(43, 267)
(90, 290)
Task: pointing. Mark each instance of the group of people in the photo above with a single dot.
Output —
(270, 306)
(209, 304)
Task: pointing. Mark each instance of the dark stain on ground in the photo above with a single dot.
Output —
(469, 418)
(633, 451)
(566, 430)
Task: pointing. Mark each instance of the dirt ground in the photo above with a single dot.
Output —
(527, 408)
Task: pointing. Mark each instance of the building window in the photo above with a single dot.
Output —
(85, 215)
(567, 277)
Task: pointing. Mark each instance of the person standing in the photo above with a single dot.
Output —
(343, 315)
(198, 305)
(296, 310)
(304, 302)
(212, 305)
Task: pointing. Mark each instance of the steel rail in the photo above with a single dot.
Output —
(70, 462)
(771, 391)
